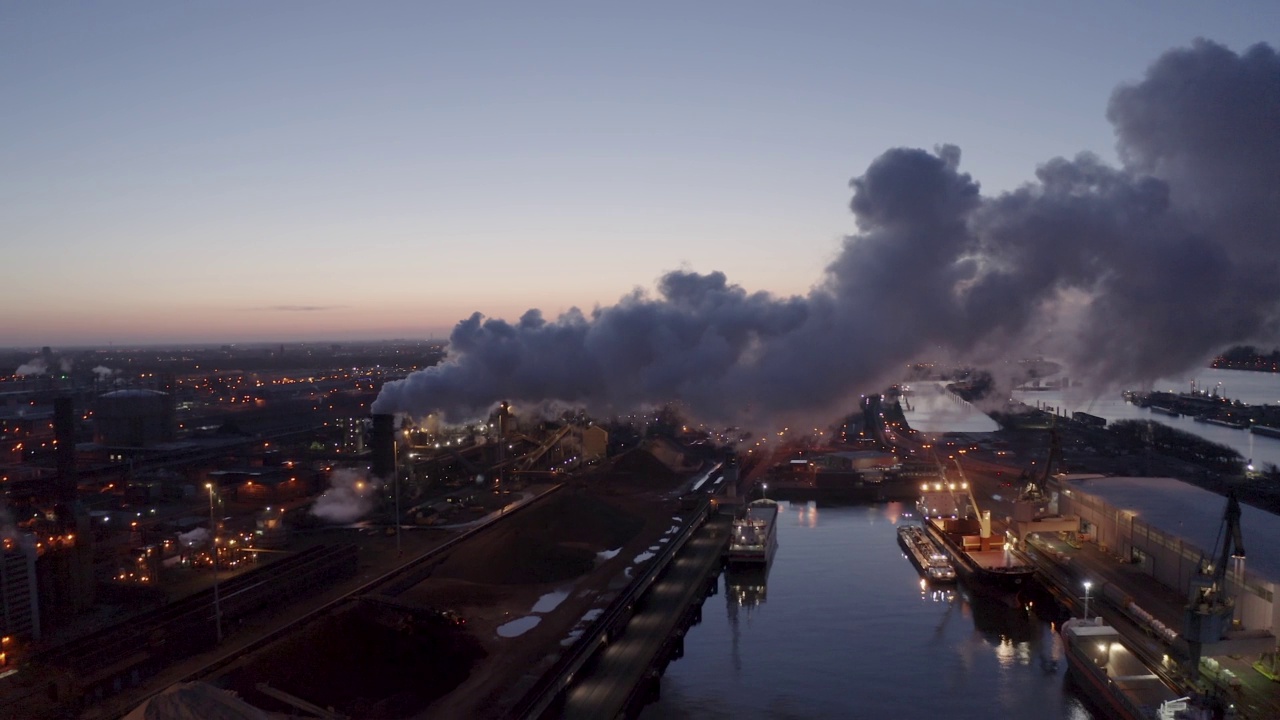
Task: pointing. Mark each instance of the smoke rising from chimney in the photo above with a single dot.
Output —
(1126, 273)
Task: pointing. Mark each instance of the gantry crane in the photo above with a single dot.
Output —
(1210, 609)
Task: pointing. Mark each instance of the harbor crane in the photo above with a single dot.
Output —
(1210, 609)
(1033, 489)
(984, 516)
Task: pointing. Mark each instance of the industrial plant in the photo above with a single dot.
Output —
(238, 527)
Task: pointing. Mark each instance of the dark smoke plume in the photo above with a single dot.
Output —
(1126, 274)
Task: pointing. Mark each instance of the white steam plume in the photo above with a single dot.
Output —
(37, 366)
(350, 496)
(194, 538)
(1126, 273)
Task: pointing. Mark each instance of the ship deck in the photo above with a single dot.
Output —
(996, 559)
(1122, 670)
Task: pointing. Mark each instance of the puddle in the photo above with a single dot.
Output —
(550, 601)
(518, 627)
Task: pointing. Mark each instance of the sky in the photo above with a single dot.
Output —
(234, 172)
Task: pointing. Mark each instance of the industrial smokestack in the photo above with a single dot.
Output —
(504, 419)
(382, 441)
(64, 434)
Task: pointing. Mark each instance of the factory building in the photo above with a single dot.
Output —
(19, 597)
(853, 461)
(594, 441)
(135, 418)
(1169, 529)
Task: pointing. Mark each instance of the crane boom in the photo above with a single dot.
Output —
(1233, 539)
(984, 517)
(1211, 609)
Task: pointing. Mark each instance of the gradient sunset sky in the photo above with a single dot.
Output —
(250, 171)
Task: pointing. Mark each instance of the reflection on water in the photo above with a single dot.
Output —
(849, 631)
(745, 589)
(807, 513)
(935, 593)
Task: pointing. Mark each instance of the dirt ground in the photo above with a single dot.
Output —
(524, 589)
(573, 553)
(367, 661)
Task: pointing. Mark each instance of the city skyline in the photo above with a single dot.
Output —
(293, 173)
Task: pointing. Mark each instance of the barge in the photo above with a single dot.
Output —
(754, 536)
(926, 556)
(1114, 678)
(1233, 424)
(1265, 431)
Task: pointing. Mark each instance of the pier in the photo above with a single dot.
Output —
(616, 664)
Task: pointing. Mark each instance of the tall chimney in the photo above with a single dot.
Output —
(382, 442)
(64, 433)
(504, 419)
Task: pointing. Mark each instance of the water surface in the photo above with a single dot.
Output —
(844, 630)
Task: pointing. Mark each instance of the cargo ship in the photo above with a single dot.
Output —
(1115, 679)
(755, 535)
(926, 556)
(1234, 424)
(979, 547)
(1265, 431)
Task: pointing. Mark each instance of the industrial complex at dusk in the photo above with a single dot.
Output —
(422, 361)
(234, 525)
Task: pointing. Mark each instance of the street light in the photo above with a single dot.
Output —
(213, 544)
(764, 491)
(1087, 585)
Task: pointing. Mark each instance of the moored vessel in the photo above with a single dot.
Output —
(755, 535)
(926, 556)
(1265, 431)
(980, 548)
(1114, 678)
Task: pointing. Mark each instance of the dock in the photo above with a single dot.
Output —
(629, 669)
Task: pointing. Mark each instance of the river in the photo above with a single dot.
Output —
(1253, 388)
(843, 628)
(845, 631)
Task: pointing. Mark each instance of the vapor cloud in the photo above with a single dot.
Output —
(194, 538)
(1126, 273)
(350, 497)
(37, 366)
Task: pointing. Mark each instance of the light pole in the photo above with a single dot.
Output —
(213, 544)
(764, 491)
(1087, 585)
